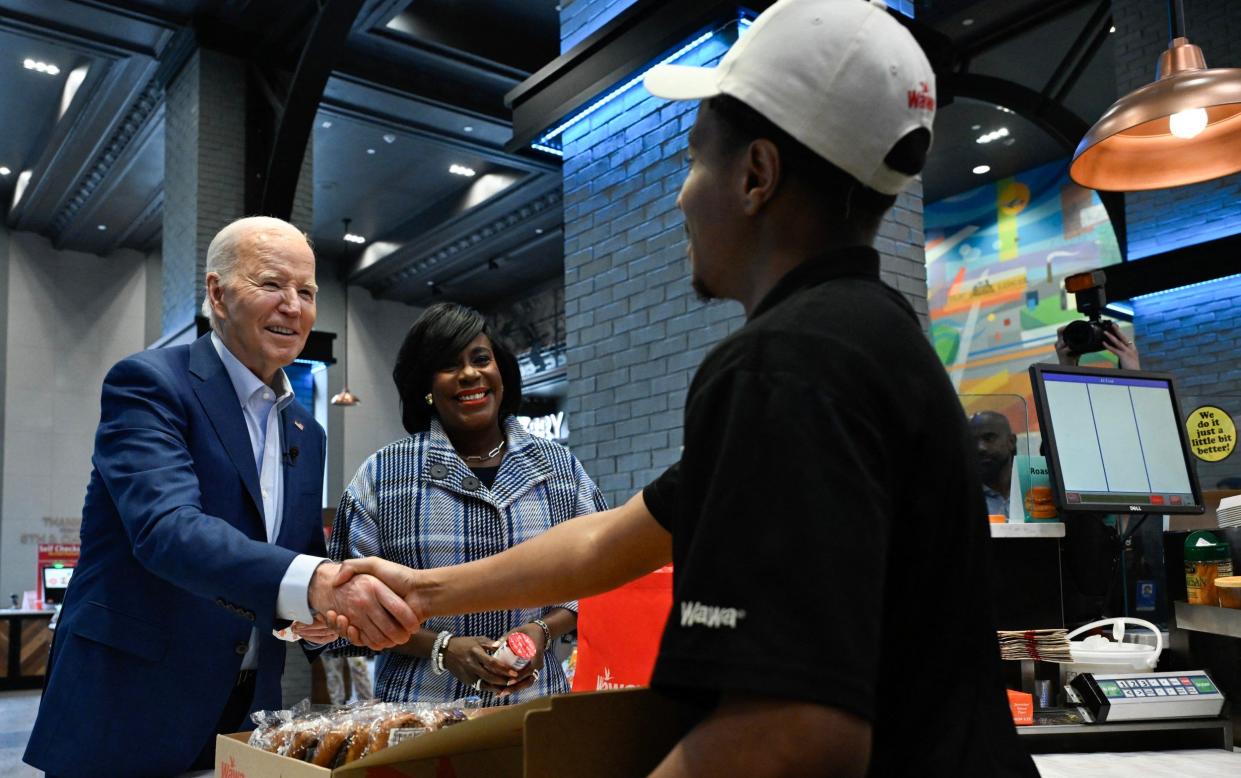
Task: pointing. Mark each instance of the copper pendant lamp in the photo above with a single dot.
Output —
(1182, 129)
(345, 398)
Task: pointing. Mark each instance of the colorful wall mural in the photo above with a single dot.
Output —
(996, 259)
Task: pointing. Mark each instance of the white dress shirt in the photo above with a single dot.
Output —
(260, 406)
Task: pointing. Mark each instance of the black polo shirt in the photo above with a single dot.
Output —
(829, 532)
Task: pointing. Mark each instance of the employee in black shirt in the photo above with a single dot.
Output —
(831, 597)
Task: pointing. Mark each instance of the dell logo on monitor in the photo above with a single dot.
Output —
(1135, 509)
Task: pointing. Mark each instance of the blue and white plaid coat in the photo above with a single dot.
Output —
(407, 504)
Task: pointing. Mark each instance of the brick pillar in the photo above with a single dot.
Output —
(204, 175)
(635, 331)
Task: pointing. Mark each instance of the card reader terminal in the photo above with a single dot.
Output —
(1143, 696)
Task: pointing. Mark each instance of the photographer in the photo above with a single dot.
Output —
(1126, 351)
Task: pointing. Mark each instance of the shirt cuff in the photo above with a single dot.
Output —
(293, 601)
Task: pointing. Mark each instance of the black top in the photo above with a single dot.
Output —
(486, 474)
(828, 529)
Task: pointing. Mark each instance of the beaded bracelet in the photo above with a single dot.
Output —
(547, 632)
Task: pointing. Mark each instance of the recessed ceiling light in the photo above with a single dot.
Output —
(996, 134)
(538, 230)
(975, 126)
(103, 227)
(351, 238)
(326, 125)
(370, 151)
(462, 170)
(4, 171)
(468, 128)
(389, 138)
(980, 169)
(966, 22)
(1113, 28)
(41, 67)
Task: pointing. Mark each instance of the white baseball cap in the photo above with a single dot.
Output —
(841, 76)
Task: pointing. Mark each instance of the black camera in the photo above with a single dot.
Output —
(1086, 337)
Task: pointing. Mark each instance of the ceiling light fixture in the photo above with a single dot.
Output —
(980, 169)
(40, 67)
(102, 228)
(389, 138)
(351, 237)
(370, 151)
(993, 135)
(4, 171)
(326, 125)
(462, 170)
(468, 128)
(1182, 129)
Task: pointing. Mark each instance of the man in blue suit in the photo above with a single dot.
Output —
(200, 533)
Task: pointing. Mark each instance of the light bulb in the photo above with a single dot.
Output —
(1187, 124)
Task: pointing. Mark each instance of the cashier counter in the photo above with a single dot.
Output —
(1151, 723)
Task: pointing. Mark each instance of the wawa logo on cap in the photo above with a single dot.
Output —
(921, 98)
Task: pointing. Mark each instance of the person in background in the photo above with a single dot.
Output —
(200, 533)
(469, 482)
(996, 447)
(827, 477)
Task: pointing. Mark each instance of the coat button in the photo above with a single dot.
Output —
(438, 471)
(241, 648)
(470, 483)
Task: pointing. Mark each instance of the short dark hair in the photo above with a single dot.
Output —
(740, 125)
(435, 340)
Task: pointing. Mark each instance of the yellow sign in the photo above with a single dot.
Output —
(1212, 434)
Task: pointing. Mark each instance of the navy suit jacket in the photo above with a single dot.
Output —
(175, 570)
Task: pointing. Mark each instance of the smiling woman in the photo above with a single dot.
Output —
(469, 482)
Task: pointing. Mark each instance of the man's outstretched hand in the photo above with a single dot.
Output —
(398, 578)
(377, 617)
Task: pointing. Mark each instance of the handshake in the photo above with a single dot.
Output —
(372, 602)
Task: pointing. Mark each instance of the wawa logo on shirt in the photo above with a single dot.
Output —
(921, 98)
(696, 614)
(605, 682)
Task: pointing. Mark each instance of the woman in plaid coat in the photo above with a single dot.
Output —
(469, 482)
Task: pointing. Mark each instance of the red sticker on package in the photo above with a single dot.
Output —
(517, 650)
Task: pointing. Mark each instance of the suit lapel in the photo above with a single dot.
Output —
(296, 468)
(215, 392)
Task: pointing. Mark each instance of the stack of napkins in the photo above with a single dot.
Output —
(1229, 512)
(1042, 645)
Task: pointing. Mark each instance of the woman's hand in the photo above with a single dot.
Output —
(527, 675)
(469, 659)
(1125, 350)
(1063, 355)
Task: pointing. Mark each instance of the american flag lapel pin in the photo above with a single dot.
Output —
(298, 424)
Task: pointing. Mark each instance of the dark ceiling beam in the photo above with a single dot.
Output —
(279, 122)
(1062, 125)
(1080, 53)
(637, 37)
(428, 72)
(463, 238)
(95, 28)
(1172, 269)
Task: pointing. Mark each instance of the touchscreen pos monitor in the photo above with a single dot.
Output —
(1114, 441)
(55, 582)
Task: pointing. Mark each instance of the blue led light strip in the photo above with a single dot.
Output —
(545, 141)
(1232, 277)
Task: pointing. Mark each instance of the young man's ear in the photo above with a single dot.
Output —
(763, 174)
